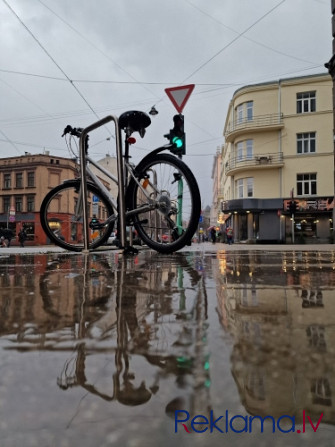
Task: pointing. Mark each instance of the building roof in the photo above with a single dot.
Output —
(280, 80)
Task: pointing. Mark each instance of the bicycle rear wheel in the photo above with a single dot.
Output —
(62, 218)
(172, 190)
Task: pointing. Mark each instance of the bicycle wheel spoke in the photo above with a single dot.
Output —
(174, 194)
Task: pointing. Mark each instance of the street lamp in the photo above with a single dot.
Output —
(153, 111)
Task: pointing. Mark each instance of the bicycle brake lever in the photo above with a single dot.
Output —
(67, 129)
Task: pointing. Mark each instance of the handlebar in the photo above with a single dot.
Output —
(75, 131)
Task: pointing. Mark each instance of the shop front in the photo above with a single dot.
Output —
(309, 220)
(271, 221)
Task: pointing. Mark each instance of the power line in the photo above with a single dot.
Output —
(50, 57)
(102, 81)
(234, 40)
(7, 140)
(247, 38)
(95, 47)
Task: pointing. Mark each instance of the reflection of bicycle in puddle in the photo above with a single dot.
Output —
(152, 327)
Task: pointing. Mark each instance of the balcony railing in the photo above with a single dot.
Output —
(257, 123)
(257, 161)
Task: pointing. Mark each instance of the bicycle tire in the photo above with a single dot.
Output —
(160, 228)
(60, 223)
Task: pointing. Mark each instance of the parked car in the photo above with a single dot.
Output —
(112, 239)
(166, 237)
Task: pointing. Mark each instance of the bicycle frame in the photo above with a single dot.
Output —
(124, 169)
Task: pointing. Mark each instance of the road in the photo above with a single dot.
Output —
(145, 350)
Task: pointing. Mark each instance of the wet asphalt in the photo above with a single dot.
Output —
(213, 345)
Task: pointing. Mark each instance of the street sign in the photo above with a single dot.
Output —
(95, 199)
(95, 208)
(11, 214)
(179, 95)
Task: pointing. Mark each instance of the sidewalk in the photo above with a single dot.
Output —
(203, 246)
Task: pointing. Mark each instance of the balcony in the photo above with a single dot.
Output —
(259, 123)
(258, 161)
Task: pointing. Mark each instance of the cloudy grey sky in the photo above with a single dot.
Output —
(76, 61)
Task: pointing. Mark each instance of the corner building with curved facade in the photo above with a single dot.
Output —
(278, 148)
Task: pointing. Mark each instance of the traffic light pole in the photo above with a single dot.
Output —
(292, 217)
(180, 205)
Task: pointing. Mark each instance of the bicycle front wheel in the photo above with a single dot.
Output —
(61, 216)
(168, 187)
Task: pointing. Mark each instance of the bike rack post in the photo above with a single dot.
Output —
(120, 173)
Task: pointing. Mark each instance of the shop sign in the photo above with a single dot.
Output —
(320, 204)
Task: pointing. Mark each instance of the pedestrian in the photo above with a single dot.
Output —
(230, 235)
(213, 235)
(22, 237)
(3, 242)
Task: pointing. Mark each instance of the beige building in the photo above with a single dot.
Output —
(281, 320)
(279, 146)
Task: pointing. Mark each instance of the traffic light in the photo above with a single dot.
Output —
(177, 135)
(292, 207)
(94, 221)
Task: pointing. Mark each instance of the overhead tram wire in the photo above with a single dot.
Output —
(53, 60)
(234, 40)
(7, 140)
(261, 44)
(95, 47)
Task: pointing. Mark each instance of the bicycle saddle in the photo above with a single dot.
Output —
(134, 121)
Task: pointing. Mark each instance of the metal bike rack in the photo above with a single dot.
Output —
(120, 174)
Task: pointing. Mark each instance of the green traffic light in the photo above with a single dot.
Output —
(178, 142)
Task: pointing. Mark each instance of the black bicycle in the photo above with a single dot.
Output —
(162, 198)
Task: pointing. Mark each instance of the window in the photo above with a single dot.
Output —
(306, 143)
(31, 179)
(244, 187)
(18, 204)
(19, 180)
(244, 112)
(250, 108)
(239, 113)
(239, 188)
(306, 184)
(7, 181)
(249, 149)
(240, 151)
(244, 150)
(321, 391)
(250, 187)
(30, 203)
(306, 102)
(6, 204)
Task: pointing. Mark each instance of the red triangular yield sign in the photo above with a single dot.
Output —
(180, 95)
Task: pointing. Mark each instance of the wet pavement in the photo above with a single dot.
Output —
(104, 350)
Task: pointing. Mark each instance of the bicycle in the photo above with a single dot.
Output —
(161, 197)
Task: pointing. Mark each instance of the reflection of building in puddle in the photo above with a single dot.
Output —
(124, 327)
(284, 334)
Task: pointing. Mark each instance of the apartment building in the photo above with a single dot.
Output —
(24, 182)
(279, 148)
